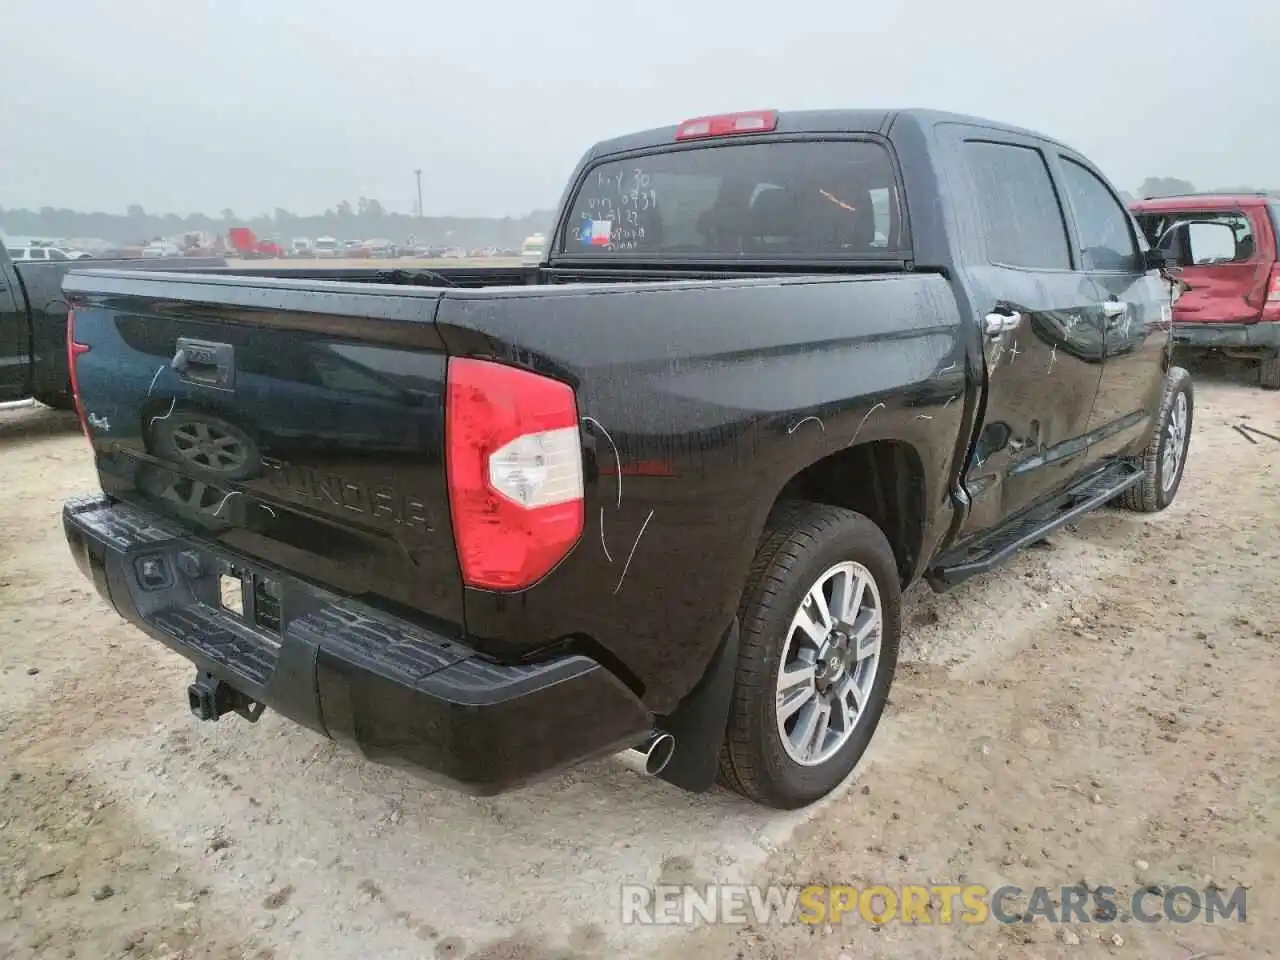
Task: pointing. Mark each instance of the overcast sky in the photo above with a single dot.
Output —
(200, 105)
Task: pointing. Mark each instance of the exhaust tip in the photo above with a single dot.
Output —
(651, 756)
(661, 749)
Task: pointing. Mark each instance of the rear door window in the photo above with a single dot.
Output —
(830, 199)
(1106, 237)
(1021, 216)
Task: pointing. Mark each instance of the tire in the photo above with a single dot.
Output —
(1269, 374)
(175, 436)
(802, 543)
(1157, 491)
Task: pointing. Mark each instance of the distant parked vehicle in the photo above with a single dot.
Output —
(357, 250)
(533, 247)
(247, 245)
(161, 248)
(41, 252)
(301, 247)
(382, 249)
(327, 247)
(452, 253)
(1226, 248)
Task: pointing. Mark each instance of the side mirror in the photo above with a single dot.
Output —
(1156, 259)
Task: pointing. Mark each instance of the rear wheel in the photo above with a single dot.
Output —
(1269, 374)
(1165, 458)
(820, 624)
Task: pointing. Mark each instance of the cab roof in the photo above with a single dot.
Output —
(1202, 201)
(817, 122)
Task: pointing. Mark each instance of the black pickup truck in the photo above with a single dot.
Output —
(33, 325)
(658, 495)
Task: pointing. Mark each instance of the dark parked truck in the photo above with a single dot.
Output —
(33, 326)
(658, 495)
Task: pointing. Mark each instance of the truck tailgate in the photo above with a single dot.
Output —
(295, 422)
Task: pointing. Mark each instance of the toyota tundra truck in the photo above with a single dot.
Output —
(657, 495)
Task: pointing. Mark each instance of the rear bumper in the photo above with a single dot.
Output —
(399, 694)
(1261, 336)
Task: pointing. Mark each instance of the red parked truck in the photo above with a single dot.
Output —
(243, 241)
(1226, 247)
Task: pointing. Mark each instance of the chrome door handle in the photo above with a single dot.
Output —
(1114, 309)
(998, 323)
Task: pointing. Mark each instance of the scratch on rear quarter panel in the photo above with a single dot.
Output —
(604, 546)
(865, 418)
(616, 458)
(798, 424)
(627, 566)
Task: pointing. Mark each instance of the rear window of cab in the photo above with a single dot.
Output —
(835, 199)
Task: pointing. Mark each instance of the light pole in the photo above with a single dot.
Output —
(418, 173)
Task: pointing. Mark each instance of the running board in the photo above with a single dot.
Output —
(1035, 525)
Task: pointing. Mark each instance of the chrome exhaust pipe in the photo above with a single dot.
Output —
(651, 755)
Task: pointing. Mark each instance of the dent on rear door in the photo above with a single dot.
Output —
(1134, 307)
(1137, 342)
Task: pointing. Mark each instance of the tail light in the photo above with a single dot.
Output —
(1271, 308)
(75, 351)
(514, 466)
(728, 124)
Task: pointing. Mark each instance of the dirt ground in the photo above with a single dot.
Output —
(1101, 710)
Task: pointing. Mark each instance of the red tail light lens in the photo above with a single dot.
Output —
(514, 466)
(1271, 308)
(74, 351)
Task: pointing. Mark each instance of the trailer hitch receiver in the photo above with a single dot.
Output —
(210, 698)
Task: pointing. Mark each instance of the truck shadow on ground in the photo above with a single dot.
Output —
(1221, 370)
(34, 421)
